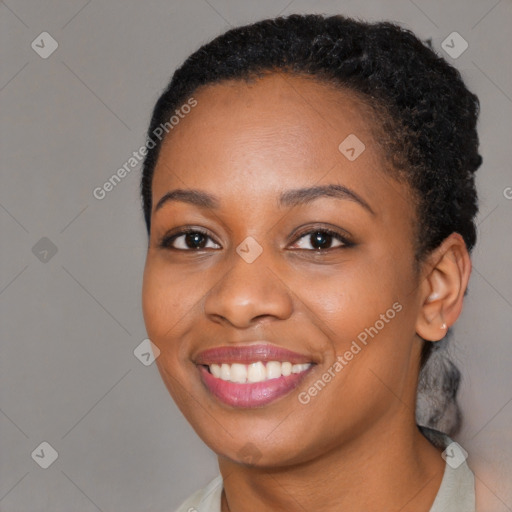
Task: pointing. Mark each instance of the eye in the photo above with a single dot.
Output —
(189, 240)
(320, 239)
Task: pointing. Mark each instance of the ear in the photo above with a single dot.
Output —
(445, 279)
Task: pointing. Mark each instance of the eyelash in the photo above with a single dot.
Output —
(168, 240)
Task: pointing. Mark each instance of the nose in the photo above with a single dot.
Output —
(247, 294)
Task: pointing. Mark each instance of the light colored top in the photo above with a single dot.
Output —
(456, 493)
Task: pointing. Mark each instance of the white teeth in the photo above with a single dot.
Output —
(297, 368)
(225, 372)
(256, 372)
(215, 369)
(238, 373)
(286, 369)
(273, 370)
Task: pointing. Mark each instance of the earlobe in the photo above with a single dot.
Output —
(444, 282)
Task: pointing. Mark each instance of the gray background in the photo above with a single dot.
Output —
(71, 321)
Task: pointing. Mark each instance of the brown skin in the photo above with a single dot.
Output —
(355, 445)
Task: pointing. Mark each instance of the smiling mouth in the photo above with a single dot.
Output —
(259, 371)
(251, 375)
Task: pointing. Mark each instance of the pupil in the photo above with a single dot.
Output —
(321, 240)
(195, 240)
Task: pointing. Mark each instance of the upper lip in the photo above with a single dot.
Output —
(246, 354)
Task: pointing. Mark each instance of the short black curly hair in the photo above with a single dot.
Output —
(422, 104)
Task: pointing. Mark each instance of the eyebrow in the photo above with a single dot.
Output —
(305, 195)
(289, 198)
(191, 196)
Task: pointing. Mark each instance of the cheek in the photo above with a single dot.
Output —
(362, 310)
(349, 298)
(167, 299)
(367, 332)
(168, 296)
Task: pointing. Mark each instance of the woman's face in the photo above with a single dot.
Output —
(300, 251)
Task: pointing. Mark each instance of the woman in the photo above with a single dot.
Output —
(309, 198)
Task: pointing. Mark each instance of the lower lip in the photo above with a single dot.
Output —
(254, 394)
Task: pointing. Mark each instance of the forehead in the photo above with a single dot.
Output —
(270, 134)
(281, 111)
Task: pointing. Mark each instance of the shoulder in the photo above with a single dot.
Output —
(457, 491)
(206, 499)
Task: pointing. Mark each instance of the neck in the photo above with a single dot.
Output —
(391, 467)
